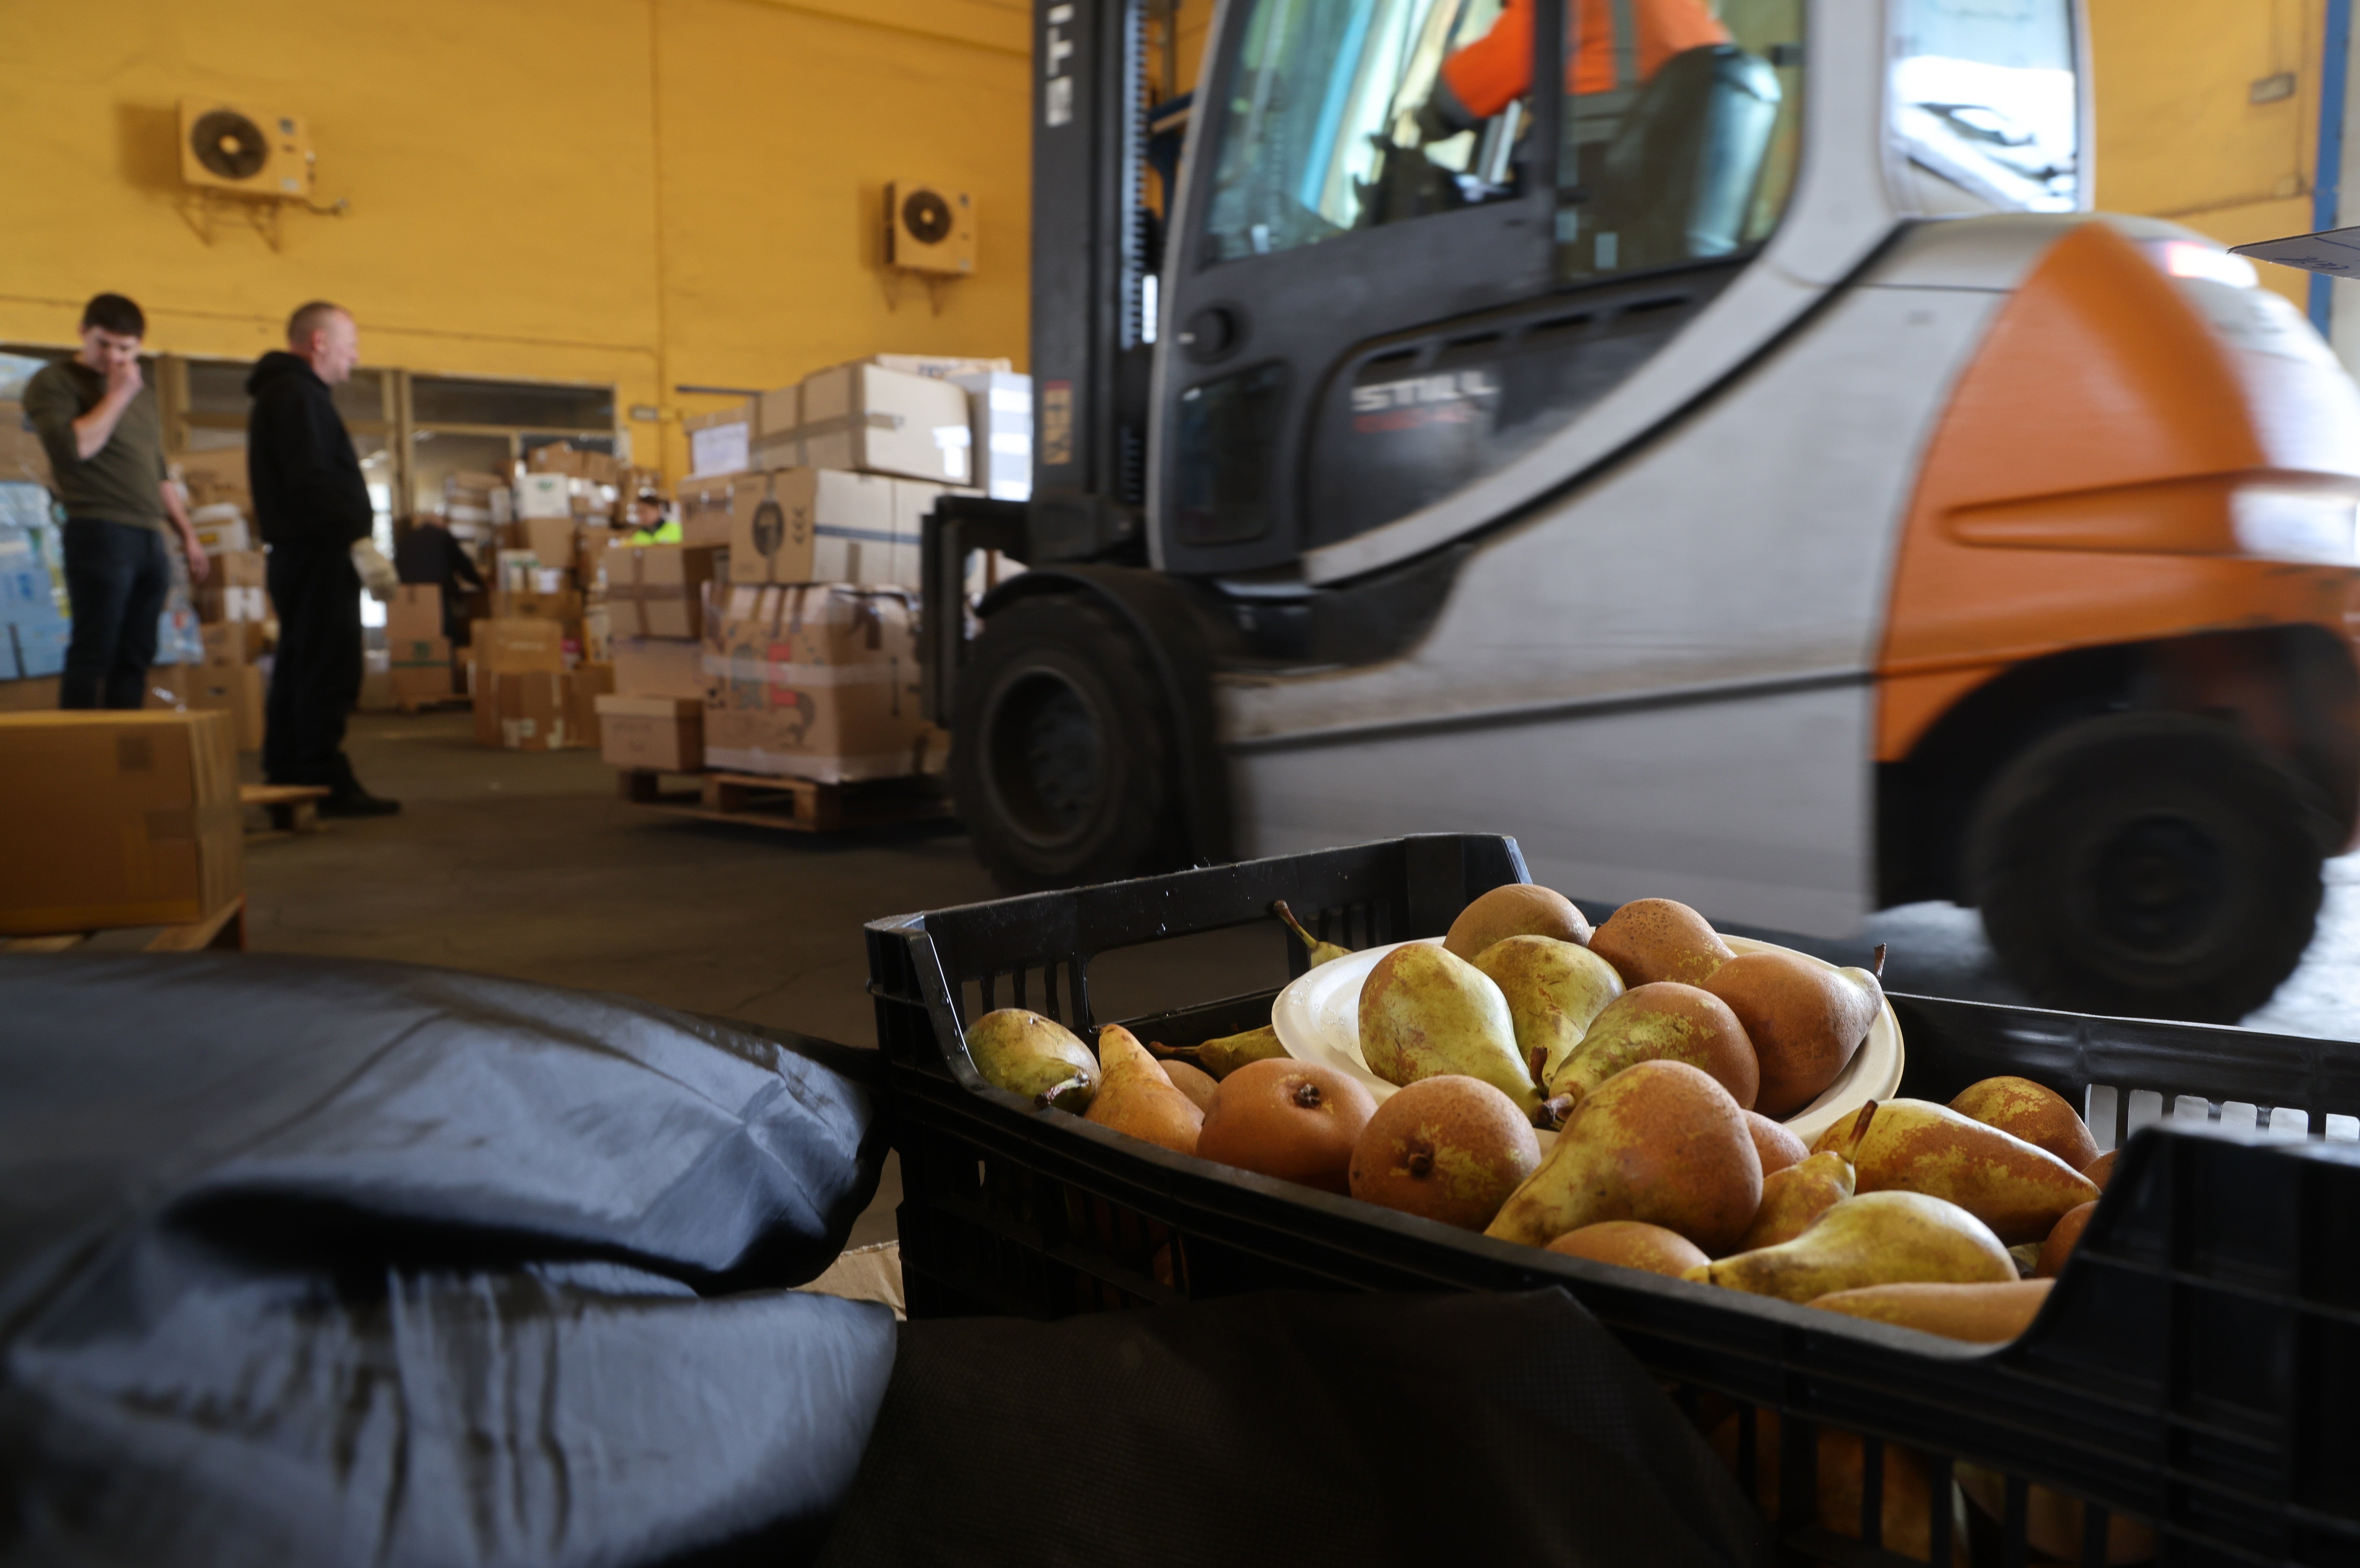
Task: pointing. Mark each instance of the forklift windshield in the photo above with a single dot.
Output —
(1984, 100)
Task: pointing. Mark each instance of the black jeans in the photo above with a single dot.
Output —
(117, 575)
(316, 679)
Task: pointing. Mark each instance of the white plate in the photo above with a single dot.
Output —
(1318, 1020)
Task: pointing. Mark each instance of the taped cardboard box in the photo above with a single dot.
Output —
(665, 734)
(874, 420)
(539, 710)
(777, 519)
(565, 607)
(553, 541)
(704, 509)
(543, 495)
(817, 682)
(117, 819)
(720, 442)
(420, 667)
(656, 667)
(658, 589)
(229, 643)
(235, 588)
(414, 611)
(772, 438)
(237, 691)
(516, 645)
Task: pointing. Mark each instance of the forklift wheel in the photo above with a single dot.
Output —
(1063, 763)
(2148, 865)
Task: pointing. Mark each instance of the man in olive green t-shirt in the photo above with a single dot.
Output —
(98, 423)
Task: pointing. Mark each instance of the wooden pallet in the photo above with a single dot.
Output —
(222, 930)
(797, 805)
(292, 808)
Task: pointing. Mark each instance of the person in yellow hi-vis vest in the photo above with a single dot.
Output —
(648, 524)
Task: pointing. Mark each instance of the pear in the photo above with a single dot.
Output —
(1199, 1085)
(1424, 1013)
(2033, 1112)
(2102, 1168)
(1877, 1239)
(2062, 1239)
(1295, 1120)
(1136, 1096)
(1520, 909)
(1793, 1199)
(1984, 1314)
(1660, 939)
(1224, 1056)
(1905, 1494)
(1916, 1146)
(1038, 1058)
(1321, 951)
(1661, 1021)
(1805, 1020)
(1776, 1146)
(1554, 990)
(1632, 1243)
(1451, 1148)
(1661, 1142)
(2054, 1525)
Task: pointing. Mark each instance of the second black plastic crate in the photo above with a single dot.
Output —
(2194, 1368)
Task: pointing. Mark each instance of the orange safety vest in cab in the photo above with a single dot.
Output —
(1497, 69)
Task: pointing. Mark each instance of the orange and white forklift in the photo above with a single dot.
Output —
(1709, 439)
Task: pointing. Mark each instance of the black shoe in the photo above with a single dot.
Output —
(357, 802)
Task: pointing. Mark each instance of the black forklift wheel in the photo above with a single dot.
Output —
(2148, 865)
(1062, 762)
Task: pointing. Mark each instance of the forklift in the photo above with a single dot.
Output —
(1712, 440)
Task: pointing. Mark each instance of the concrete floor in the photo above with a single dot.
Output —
(527, 865)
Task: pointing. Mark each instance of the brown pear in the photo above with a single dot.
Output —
(1294, 1120)
(1136, 1096)
(1661, 1021)
(1660, 939)
(1777, 1146)
(1805, 1020)
(2100, 1169)
(1519, 909)
(1449, 1148)
(1907, 1498)
(1634, 1245)
(2033, 1112)
(2054, 1525)
(1661, 1142)
(1877, 1239)
(1916, 1146)
(1795, 1197)
(1984, 1314)
(1194, 1081)
(2063, 1237)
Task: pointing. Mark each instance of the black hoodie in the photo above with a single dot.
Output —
(299, 460)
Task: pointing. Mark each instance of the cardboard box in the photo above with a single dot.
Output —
(512, 645)
(229, 643)
(235, 588)
(552, 541)
(939, 367)
(117, 819)
(913, 499)
(704, 509)
(721, 441)
(773, 433)
(818, 682)
(415, 611)
(584, 687)
(777, 519)
(538, 710)
(658, 589)
(237, 691)
(665, 734)
(543, 495)
(221, 529)
(655, 667)
(999, 412)
(874, 421)
(561, 606)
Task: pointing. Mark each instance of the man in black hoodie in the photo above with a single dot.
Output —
(312, 506)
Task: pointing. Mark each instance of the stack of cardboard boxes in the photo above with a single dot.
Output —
(541, 657)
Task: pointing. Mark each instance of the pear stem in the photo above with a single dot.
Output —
(1048, 1097)
(1876, 963)
(1553, 1112)
(1278, 907)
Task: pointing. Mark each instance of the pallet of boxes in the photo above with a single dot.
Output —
(800, 697)
(219, 662)
(538, 661)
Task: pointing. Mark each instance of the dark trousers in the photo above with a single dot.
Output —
(117, 575)
(316, 678)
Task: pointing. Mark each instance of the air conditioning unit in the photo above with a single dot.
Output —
(228, 146)
(929, 228)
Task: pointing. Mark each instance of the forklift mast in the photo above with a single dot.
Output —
(1089, 265)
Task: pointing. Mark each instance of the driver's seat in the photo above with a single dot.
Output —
(1675, 182)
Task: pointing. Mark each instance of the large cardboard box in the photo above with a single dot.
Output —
(229, 643)
(704, 509)
(774, 438)
(658, 589)
(538, 710)
(543, 495)
(560, 606)
(874, 420)
(721, 441)
(516, 645)
(421, 669)
(117, 819)
(662, 733)
(777, 519)
(552, 541)
(657, 666)
(235, 588)
(818, 682)
(1000, 410)
(237, 691)
(414, 612)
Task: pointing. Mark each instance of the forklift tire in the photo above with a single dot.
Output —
(2148, 865)
(1064, 761)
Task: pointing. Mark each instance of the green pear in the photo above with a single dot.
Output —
(1662, 1020)
(1877, 1239)
(1038, 1058)
(2018, 1189)
(1424, 1013)
(1554, 989)
(1224, 1056)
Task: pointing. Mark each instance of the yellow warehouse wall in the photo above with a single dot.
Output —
(647, 192)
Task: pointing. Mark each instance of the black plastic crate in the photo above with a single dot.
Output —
(2195, 1367)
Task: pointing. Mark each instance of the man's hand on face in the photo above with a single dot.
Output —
(123, 379)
